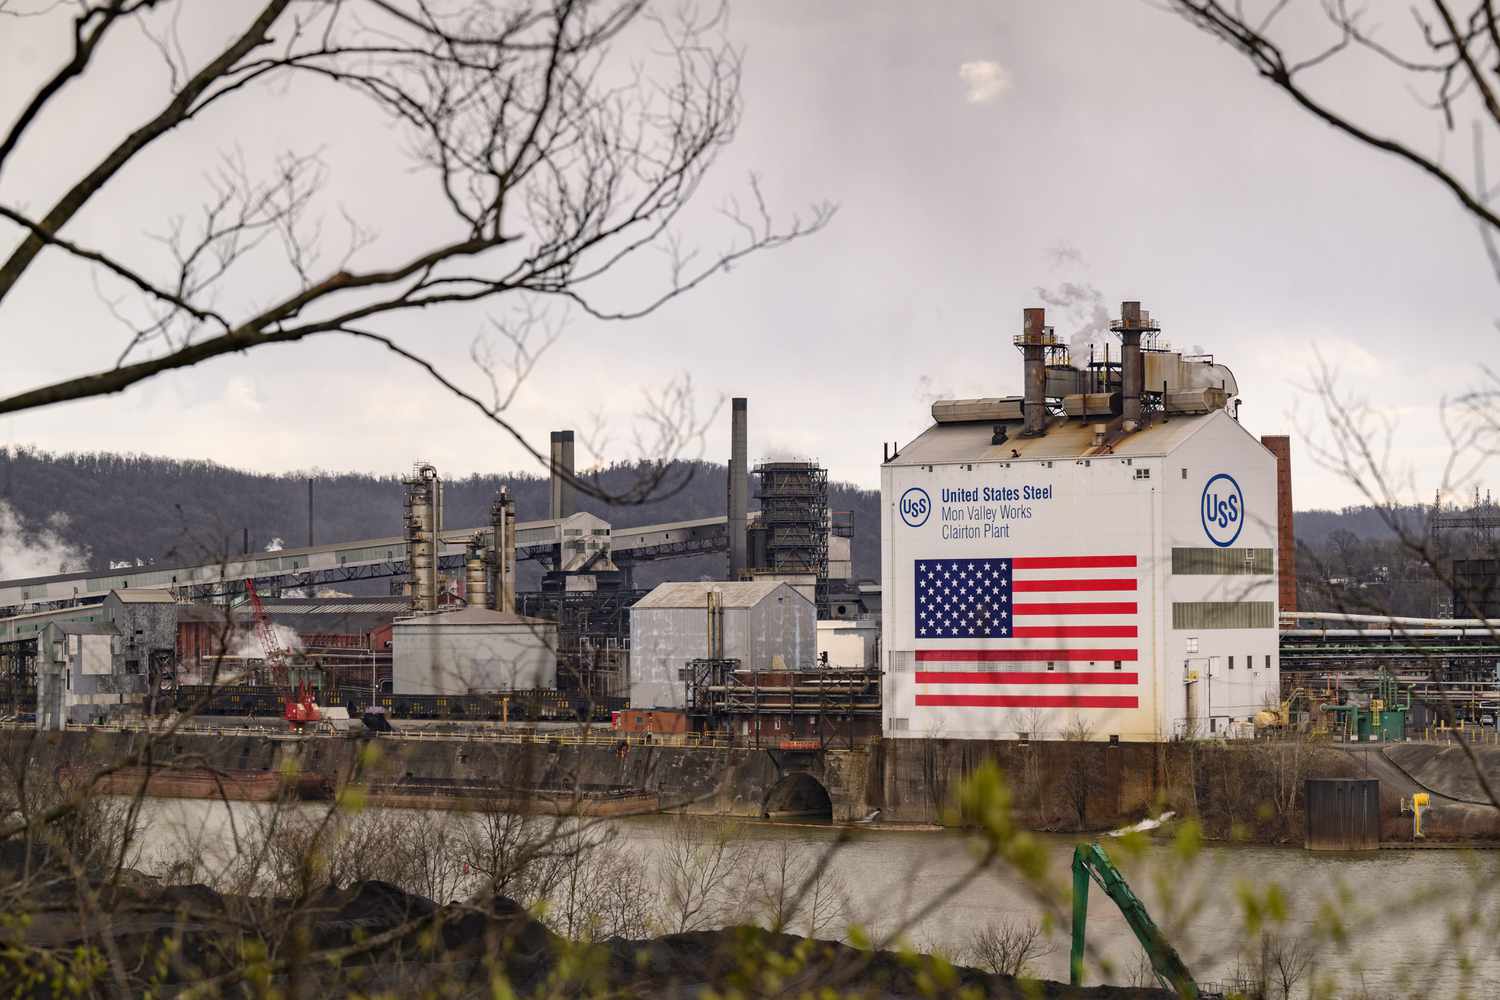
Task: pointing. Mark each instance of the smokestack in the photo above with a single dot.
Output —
(502, 557)
(739, 486)
(564, 495)
(1286, 540)
(309, 514)
(1132, 366)
(476, 586)
(1034, 405)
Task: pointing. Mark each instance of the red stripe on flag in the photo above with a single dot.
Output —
(1042, 586)
(1022, 655)
(1027, 701)
(1072, 562)
(1073, 632)
(1077, 608)
(1024, 677)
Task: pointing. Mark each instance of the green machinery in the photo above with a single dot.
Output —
(1382, 720)
(1091, 863)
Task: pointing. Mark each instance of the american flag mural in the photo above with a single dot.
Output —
(1027, 632)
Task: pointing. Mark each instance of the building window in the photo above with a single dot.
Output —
(1231, 663)
(1184, 473)
(1206, 561)
(132, 666)
(1117, 664)
(1268, 661)
(1143, 473)
(1223, 614)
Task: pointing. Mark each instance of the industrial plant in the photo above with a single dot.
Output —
(1107, 556)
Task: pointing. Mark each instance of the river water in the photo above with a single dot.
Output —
(1419, 922)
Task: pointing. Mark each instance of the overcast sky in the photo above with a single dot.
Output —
(978, 152)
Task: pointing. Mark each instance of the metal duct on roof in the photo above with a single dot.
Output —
(962, 411)
(1194, 401)
(1092, 404)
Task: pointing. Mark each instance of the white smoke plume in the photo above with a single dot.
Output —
(1084, 318)
(275, 545)
(248, 644)
(27, 552)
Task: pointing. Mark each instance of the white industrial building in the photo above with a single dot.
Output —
(759, 622)
(472, 651)
(1095, 559)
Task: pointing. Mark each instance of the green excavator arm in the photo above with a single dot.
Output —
(1090, 863)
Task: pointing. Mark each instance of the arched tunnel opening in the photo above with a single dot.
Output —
(798, 796)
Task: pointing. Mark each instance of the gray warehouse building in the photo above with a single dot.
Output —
(472, 651)
(762, 619)
(94, 671)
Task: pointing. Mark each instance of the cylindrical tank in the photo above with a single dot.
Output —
(476, 582)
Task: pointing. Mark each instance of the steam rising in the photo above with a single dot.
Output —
(248, 643)
(37, 551)
(1083, 313)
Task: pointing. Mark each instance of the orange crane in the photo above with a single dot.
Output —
(301, 703)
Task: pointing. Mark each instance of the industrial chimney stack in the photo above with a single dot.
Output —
(739, 487)
(1033, 341)
(1132, 365)
(502, 591)
(564, 494)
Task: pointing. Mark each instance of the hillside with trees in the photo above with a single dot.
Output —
(76, 511)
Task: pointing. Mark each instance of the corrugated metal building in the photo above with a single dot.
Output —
(762, 620)
(472, 651)
(100, 670)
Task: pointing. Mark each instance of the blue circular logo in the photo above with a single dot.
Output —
(916, 507)
(1222, 510)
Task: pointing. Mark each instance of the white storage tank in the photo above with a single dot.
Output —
(472, 651)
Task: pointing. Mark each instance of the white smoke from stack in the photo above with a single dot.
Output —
(275, 545)
(36, 552)
(1084, 315)
(248, 644)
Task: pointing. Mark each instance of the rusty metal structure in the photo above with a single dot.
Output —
(783, 708)
(794, 515)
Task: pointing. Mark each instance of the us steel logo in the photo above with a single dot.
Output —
(916, 507)
(1222, 510)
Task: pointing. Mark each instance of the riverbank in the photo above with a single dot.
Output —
(1246, 792)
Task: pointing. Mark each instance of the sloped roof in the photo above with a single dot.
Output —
(143, 596)
(694, 594)
(947, 444)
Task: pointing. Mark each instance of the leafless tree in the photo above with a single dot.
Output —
(703, 867)
(795, 892)
(1007, 947)
(553, 167)
(1444, 54)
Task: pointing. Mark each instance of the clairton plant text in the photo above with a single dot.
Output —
(987, 511)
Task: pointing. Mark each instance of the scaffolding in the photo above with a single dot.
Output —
(794, 513)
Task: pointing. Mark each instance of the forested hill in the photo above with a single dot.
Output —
(102, 508)
(76, 511)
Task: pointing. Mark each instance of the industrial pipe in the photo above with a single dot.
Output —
(1339, 616)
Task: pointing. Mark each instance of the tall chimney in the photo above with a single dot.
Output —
(564, 494)
(739, 486)
(1286, 540)
(1034, 405)
(502, 594)
(1132, 365)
